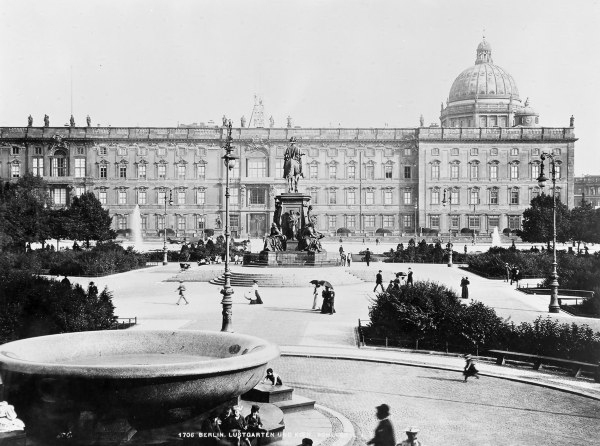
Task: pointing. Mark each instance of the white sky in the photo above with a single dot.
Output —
(325, 63)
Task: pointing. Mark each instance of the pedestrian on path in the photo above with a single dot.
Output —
(92, 290)
(368, 256)
(384, 433)
(517, 277)
(181, 289)
(470, 369)
(464, 285)
(253, 295)
(409, 279)
(390, 286)
(465, 249)
(328, 305)
(315, 298)
(379, 282)
(507, 267)
(411, 433)
(349, 258)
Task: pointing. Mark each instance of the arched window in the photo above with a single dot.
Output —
(59, 164)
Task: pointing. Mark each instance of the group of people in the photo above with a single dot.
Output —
(464, 287)
(328, 302)
(395, 284)
(513, 274)
(232, 426)
(345, 258)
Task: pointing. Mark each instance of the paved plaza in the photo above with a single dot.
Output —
(507, 406)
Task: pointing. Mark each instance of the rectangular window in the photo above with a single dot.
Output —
(435, 152)
(160, 222)
(235, 172)
(350, 221)
(59, 196)
(474, 196)
(454, 221)
(15, 150)
(121, 222)
(493, 221)
(351, 172)
(370, 172)
(142, 195)
(15, 170)
(514, 151)
(102, 197)
(332, 196)
(474, 221)
(388, 171)
(234, 220)
(103, 171)
(80, 150)
(162, 171)
(454, 152)
(313, 171)
(474, 171)
(181, 196)
(201, 168)
(407, 221)
(514, 196)
(474, 152)
(494, 196)
(200, 222)
(161, 196)
(435, 196)
(314, 195)
(161, 151)
(144, 222)
(200, 196)
(351, 197)
(79, 167)
(181, 222)
(388, 221)
(79, 191)
(122, 171)
(142, 171)
(121, 151)
(454, 169)
(181, 171)
(332, 221)
(435, 171)
(142, 151)
(455, 196)
(39, 151)
(407, 152)
(38, 167)
(369, 221)
(557, 170)
(535, 193)
(257, 168)
(369, 197)
(434, 221)
(407, 170)
(535, 171)
(122, 197)
(407, 197)
(257, 196)
(279, 167)
(332, 171)
(555, 151)
(181, 152)
(493, 171)
(514, 171)
(102, 151)
(59, 167)
(514, 222)
(535, 152)
(387, 197)
(234, 196)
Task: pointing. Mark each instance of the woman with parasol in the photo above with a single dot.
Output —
(328, 305)
(315, 294)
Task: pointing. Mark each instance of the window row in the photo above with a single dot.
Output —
(474, 170)
(476, 222)
(370, 221)
(58, 167)
(474, 196)
(143, 151)
(178, 222)
(474, 151)
(351, 197)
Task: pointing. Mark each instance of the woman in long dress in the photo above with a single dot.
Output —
(464, 284)
(328, 305)
(315, 298)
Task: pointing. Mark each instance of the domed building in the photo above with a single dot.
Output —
(486, 95)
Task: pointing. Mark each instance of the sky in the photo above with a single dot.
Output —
(325, 63)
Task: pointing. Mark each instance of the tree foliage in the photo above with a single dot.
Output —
(89, 220)
(538, 221)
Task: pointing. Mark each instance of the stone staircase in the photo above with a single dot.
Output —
(289, 278)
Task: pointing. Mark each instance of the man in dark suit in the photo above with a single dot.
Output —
(384, 433)
(409, 279)
(378, 282)
(368, 256)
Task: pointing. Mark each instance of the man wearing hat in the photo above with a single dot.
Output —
(378, 282)
(384, 433)
(411, 433)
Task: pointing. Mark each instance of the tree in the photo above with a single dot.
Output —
(585, 224)
(537, 221)
(24, 211)
(89, 220)
(59, 223)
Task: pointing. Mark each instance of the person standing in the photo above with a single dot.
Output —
(384, 433)
(378, 282)
(349, 259)
(92, 290)
(513, 274)
(390, 287)
(254, 425)
(409, 278)
(411, 433)
(465, 249)
(464, 285)
(470, 369)
(328, 305)
(507, 268)
(181, 290)
(368, 256)
(517, 276)
(256, 293)
(315, 297)
(66, 282)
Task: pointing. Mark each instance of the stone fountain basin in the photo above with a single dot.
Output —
(134, 369)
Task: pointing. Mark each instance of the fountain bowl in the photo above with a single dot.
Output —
(138, 372)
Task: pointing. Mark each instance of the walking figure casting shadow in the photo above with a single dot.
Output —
(292, 166)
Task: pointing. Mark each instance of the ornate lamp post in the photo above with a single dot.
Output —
(449, 245)
(416, 209)
(165, 261)
(227, 291)
(553, 307)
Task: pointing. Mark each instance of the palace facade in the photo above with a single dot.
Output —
(482, 163)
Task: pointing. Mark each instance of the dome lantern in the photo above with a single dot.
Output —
(484, 53)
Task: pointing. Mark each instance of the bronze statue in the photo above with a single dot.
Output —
(224, 121)
(29, 121)
(572, 121)
(289, 122)
(271, 122)
(275, 241)
(309, 239)
(88, 120)
(243, 121)
(46, 121)
(292, 166)
(72, 121)
(277, 213)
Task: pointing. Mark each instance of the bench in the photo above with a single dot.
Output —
(575, 366)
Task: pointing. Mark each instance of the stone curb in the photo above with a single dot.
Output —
(348, 434)
(440, 367)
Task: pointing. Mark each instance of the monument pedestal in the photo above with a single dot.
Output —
(293, 215)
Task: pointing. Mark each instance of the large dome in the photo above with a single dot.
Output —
(483, 79)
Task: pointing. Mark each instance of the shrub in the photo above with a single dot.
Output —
(209, 232)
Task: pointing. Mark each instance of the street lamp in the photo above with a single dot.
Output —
(165, 261)
(449, 245)
(227, 291)
(416, 209)
(553, 307)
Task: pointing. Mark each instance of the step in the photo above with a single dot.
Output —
(266, 393)
(296, 404)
